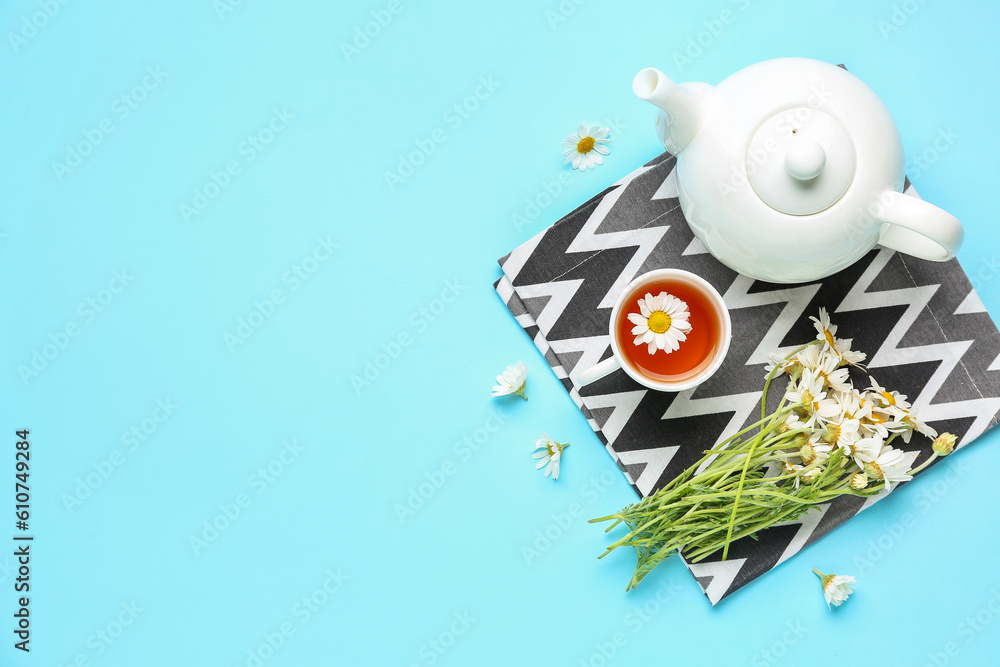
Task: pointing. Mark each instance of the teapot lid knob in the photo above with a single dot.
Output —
(805, 159)
(801, 161)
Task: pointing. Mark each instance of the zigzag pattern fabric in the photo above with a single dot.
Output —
(922, 325)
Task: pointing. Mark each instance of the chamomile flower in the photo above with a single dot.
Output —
(811, 475)
(890, 402)
(791, 366)
(852, 405)
(585, 148)
(864, 450)
(834, 376)
(842, 350)
(944, 444)
(791, 423)
(809, 394)
(875, 424)
(811, 357)
(814, 450)
(808, 389)
(792, 469)
(836, 587)
(512, 381)
(549, 452)
(889, 467)
(661, 323)
(914, 424)
(825, 331)
(842, 433)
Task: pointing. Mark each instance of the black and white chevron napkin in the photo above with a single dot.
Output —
(922, 325)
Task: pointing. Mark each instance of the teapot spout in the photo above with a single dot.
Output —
(684, 112)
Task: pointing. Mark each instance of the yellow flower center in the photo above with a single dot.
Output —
(586, 145)
(829, 338)
(874, 471)
(658, 322)
(889, 398)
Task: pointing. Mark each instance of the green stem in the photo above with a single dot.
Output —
(923, 465)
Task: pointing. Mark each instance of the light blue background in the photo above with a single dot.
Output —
(334, 506)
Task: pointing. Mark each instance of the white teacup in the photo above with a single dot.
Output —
(618, 360)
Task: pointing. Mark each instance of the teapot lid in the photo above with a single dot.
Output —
(801, 161)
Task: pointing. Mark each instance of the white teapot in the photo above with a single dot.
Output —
(791, 170)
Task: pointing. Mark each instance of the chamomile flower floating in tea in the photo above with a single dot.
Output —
(585, 148)
(836, 587)
(512, 381)
(550, 452)
(661, 323)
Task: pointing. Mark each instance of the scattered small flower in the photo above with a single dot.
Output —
(512, 381)
(550, 452)
(585, 148)
(836, 587)
(661, 323)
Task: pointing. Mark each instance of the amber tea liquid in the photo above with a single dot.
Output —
(694, 355)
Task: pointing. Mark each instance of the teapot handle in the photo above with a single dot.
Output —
(915, 227)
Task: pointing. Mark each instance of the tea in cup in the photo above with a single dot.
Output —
(669, 329)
